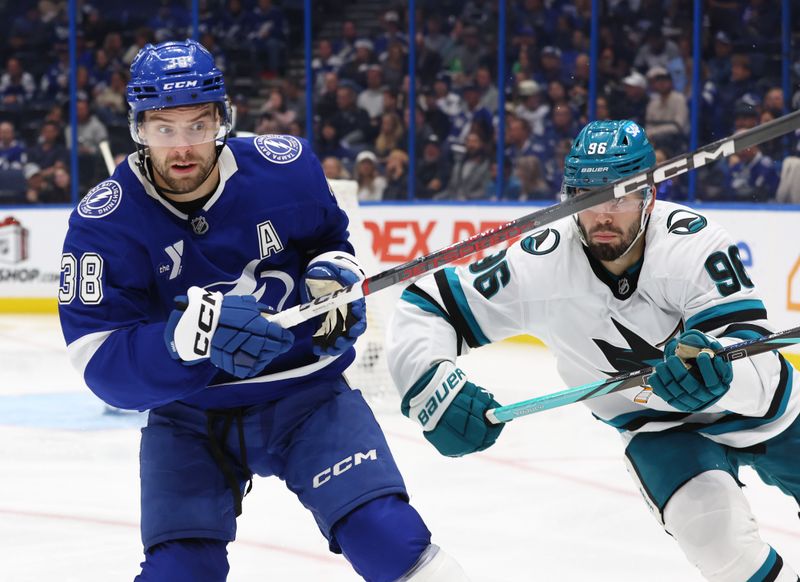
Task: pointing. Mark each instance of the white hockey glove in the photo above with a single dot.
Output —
(338, 328)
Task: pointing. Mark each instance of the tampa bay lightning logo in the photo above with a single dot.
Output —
(255, 281)
(541, 242)
(101, 200)
(279, 149)
(685, 222)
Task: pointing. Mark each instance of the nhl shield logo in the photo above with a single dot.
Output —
(199, 225)
(101, 200)
(279, 149)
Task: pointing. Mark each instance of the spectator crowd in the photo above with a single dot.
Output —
(360, 84)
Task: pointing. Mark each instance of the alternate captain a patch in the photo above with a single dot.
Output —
(279, 149)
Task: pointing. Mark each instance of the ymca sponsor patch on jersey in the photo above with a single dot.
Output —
(279, 149)
(101, 200)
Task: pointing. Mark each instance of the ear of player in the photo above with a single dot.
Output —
(452, 411)
(692, 385)
(229, 331)
(339, 327)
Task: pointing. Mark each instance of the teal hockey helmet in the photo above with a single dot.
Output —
(604, 152)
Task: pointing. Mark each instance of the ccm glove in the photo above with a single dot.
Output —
(338, 328)
(228, 330)
(451, 410)
(696, 386)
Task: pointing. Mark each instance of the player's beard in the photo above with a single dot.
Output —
(610, 251)
(184, 184)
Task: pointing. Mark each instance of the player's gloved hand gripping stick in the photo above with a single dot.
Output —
(661, 172)
(644, 377)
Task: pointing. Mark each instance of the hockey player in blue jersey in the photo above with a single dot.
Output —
(616, 289)
(232, 228)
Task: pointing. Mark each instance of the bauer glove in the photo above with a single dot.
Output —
(452, 410)
(338, 328)
(690, 384)
(227, 330)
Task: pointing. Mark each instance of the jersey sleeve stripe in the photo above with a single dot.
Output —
(417, 297)
(420, 299)
(737, 422)
(456, 303)
(745, 331)
(416, 388)
(632, 421)
(737, 311)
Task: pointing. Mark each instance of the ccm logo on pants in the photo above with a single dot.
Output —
(342, 466)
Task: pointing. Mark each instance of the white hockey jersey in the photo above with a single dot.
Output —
(598, 325)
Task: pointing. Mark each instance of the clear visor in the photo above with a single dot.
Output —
(628, 203)
(163, 133)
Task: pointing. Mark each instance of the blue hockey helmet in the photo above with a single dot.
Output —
(176, 74)
(604, 152)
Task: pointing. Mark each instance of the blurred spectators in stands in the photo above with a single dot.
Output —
(391, 33)
(434, 117)
(268, 37)
(244, 118)
(391, 135)
(13, 155)
(355, 70)
(532, 106)
(277, 107)
(394, 64)
(511, 184)
(111, 102)
(345, 45)
(633, 104)
(467, 54)
(141, 37)
(48, 149)
(657, 51)
(470, 172)
(560, 125)
(429, 62)
(325, 61)
(519, 142)
(352, 123)
(17, 86)
(433, 170)
(49, 186)
(719, 65)
(753, 176)
(668, 189)
(334, 169)
(326, 103)
(371, 184)
(371, 98)
(789, 185)
(487, 89)
(328, 143)
(667, 117)
(532, 182)
(54, 85)
(396, 176)
(554, 165)
(472, 118)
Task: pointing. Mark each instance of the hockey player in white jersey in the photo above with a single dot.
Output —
(615, 289)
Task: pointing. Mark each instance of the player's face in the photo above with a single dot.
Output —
(610, 229)
(182, 145)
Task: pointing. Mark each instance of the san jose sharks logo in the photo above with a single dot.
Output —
(685, 222)
(541, 242)
(637, 355)
(279, 149)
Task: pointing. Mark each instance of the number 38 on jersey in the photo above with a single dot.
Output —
(82, 277)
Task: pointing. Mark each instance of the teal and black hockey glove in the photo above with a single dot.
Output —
(698, 386)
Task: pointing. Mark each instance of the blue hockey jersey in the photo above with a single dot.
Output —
(128, 253)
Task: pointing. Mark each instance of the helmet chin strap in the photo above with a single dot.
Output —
(145, 165)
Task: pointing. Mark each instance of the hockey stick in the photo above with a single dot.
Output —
(488, 238)
(637, 379)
